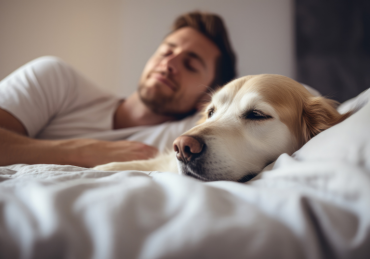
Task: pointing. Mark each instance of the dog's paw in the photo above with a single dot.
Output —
(110, 167)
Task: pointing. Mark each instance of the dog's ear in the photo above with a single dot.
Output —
(318, 115)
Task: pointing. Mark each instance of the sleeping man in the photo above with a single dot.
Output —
(51, 114)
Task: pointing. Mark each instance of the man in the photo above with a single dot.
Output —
(51, 114)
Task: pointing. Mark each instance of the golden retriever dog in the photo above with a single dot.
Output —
(247, 125)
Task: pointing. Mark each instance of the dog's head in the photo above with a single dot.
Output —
(248, 124)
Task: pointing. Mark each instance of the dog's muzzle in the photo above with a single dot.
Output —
(187, 148)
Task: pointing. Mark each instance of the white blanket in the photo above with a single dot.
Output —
(315, 204)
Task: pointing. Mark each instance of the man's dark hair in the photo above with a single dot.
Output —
(212, 26)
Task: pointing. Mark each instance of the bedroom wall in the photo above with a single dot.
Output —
(85, 33)
(109, 41)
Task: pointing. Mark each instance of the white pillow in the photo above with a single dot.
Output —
(348, 141)
(355, 103)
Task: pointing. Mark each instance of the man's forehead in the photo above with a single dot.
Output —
(192, 40)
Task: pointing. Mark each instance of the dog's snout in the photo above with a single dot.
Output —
(187, 147)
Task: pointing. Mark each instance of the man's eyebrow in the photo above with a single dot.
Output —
(190, 54)
(171, 44)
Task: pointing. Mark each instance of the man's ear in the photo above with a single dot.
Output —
(318, 115)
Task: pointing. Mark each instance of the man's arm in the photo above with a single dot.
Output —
(16, 147)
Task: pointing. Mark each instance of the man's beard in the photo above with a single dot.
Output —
(161, 104)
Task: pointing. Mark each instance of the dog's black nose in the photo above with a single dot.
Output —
(187, 147)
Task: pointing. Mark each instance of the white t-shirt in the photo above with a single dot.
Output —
(53, 101)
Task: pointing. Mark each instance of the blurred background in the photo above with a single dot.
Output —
(109, 41)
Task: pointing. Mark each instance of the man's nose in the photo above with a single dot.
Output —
(170, 63)
(188, 147)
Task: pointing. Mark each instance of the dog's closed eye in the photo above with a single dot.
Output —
(256, 115)
(210, 112)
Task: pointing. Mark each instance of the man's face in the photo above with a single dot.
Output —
(179, 72)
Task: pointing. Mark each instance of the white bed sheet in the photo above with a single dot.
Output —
(315, 204)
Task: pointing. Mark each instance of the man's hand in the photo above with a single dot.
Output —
(90, 152)
(16, 148)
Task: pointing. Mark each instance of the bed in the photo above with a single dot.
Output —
(313, 204)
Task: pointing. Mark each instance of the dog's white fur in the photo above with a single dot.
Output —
(239, 143)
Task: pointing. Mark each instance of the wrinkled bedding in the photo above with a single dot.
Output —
(314, 204)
